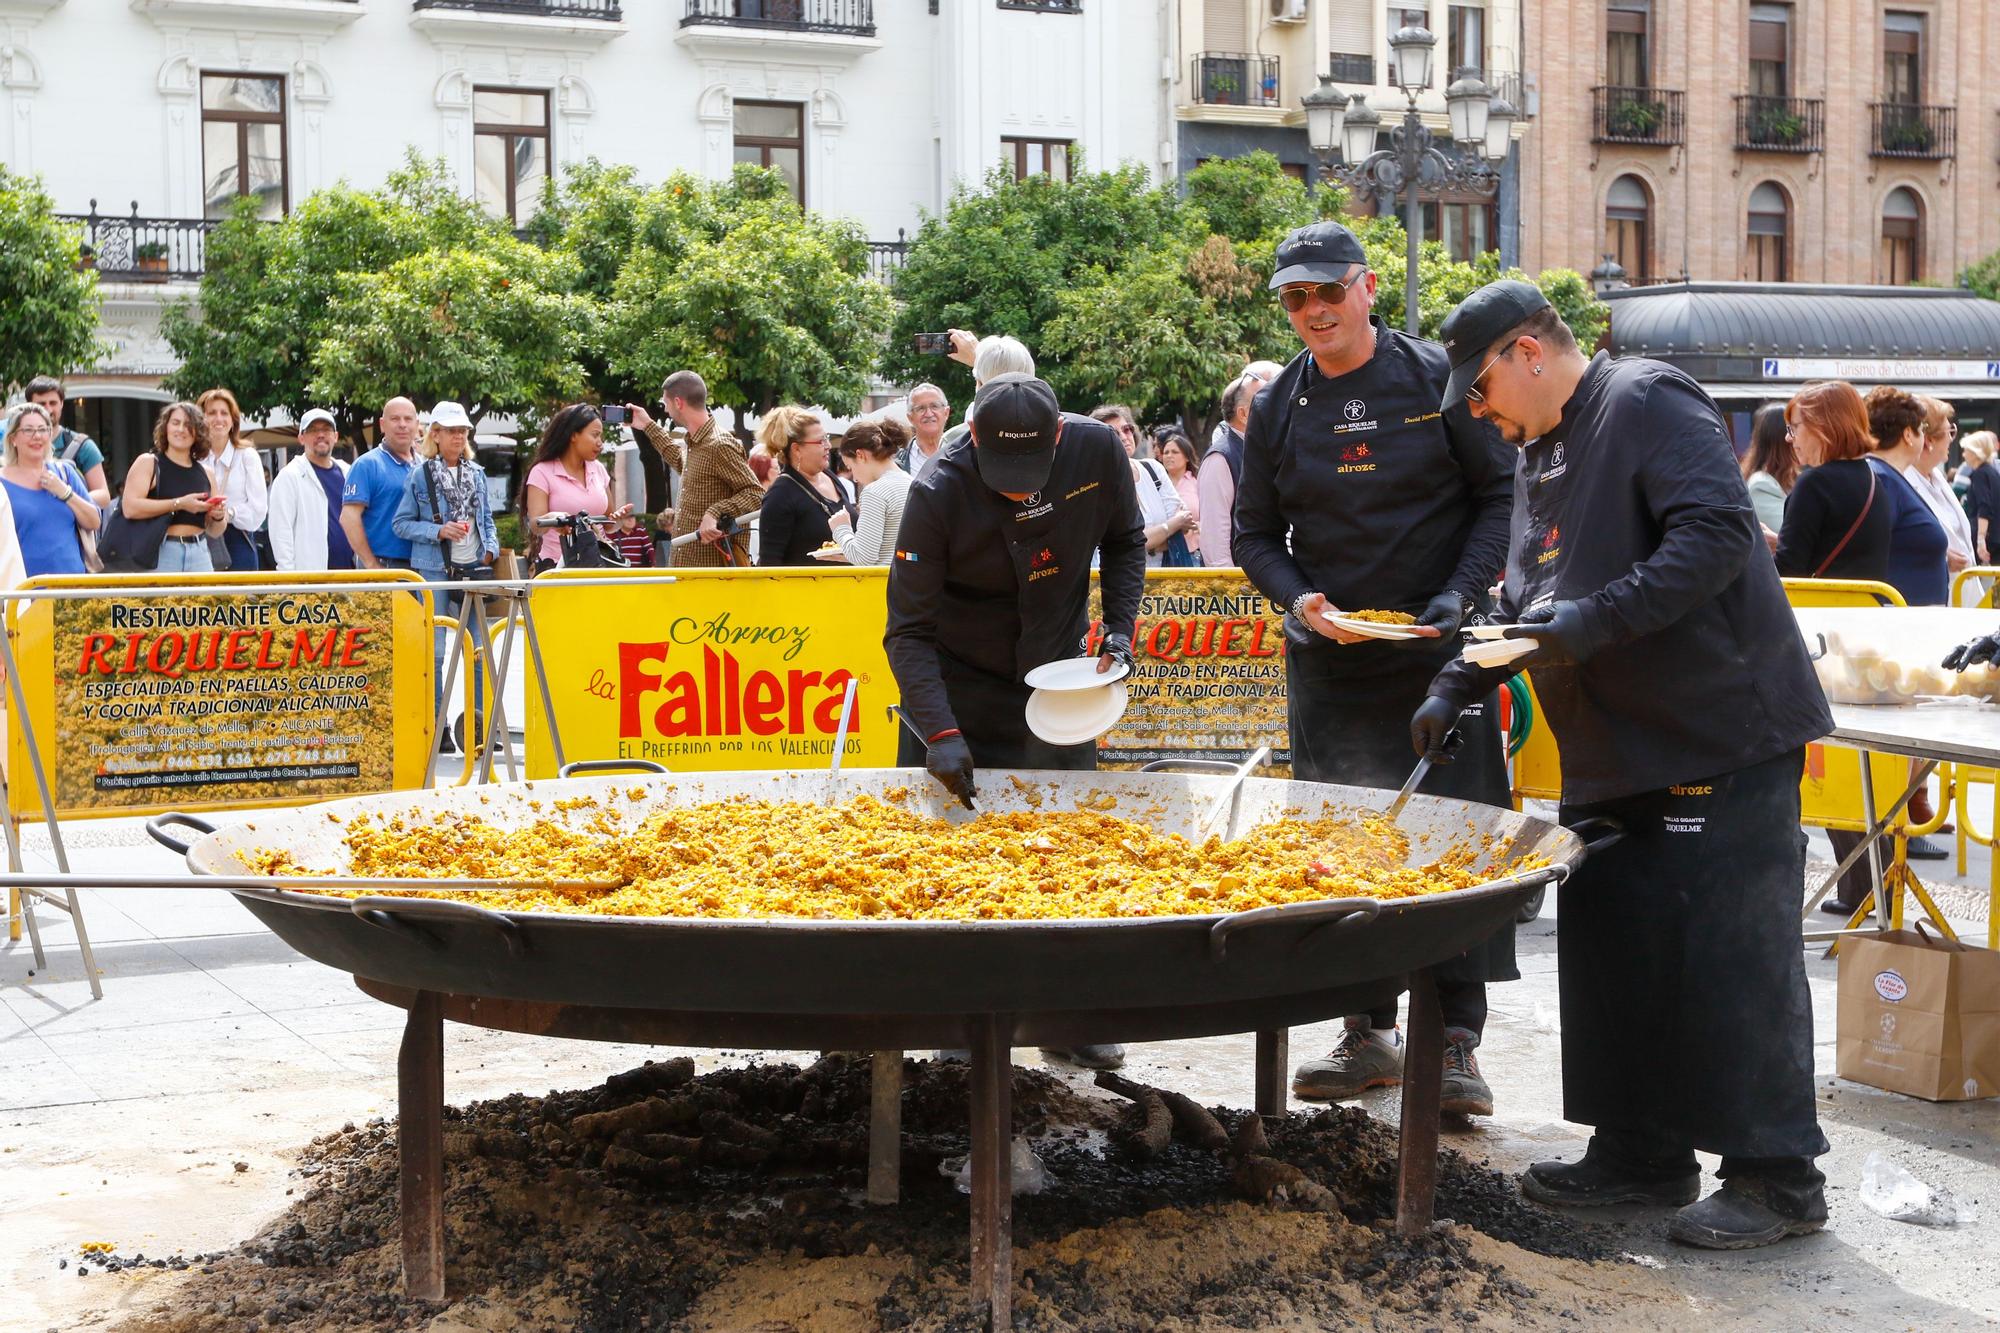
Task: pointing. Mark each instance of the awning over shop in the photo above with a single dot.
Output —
(1762, 340)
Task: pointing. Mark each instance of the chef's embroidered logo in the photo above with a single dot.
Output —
(1355, 409)
(1551, 545)
(1042, 557)
(1042, 564)
(1355, 458)
(1032, 507)
(1556, 465)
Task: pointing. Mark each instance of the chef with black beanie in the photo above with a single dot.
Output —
(991, 579)
(1357, 492)
(1671, 672)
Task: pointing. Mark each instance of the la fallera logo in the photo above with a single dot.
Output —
(722, 699)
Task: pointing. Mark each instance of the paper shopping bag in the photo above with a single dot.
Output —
(1919, 1015)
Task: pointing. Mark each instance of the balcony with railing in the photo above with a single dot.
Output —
(1352, 69)
(885, 258)
(1907, 129)
(846, 18)
(141, 249)
(1233, 78)
(1780, 124)
(606, 11)
(1655, 117)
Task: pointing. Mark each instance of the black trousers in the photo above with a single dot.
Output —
(1355, 730)
(1685, 1016)
(992, 715)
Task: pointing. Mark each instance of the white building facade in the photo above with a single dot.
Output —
(162, 111)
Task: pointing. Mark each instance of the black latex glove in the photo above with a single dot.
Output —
(1558, 627)
(1973, 652)
(1117, 647)
(1445, 613)
(949, 760)
(1434, 730)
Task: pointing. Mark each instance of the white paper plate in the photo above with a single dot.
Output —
(1375, 629)
(1487, 631)
(836, 556)
(1071, 717)
(1074, 673)
(1499, 652)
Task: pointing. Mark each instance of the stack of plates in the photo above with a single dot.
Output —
(1072, 702)
(1489, 649)
(1375, 629)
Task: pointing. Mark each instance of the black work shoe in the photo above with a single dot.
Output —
(1835, 907)
(1924, 849)
(1595, 1181)
(1464, 1091)
(1749, 1211)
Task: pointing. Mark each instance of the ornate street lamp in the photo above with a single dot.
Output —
(1480, 125)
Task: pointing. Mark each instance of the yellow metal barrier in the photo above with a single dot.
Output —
(1969, 777)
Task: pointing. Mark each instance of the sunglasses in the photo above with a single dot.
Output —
(1476, 394)
(1294, 299)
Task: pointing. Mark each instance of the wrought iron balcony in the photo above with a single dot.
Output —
(1347, 67)
(1233, 78)
(853, 18)
(1780, 124)
(137, 249)
(605, 10)
(1906, 129)
(885, 258)
(1045, 6)
(1654, 116)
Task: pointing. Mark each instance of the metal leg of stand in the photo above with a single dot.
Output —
(991, 1041)
(1423, 1087)
(25, 899)
(420, 1141)
(885, 1127)
(1274, 1050)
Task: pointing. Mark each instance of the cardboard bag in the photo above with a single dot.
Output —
(1920, 1016)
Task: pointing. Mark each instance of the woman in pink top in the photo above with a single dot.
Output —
(1177, 455)
(567, 478)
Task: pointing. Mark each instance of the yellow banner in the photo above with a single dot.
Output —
(1210, 678)
(720, 669)
(143, 704)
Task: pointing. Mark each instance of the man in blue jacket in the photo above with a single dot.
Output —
(1670, 669)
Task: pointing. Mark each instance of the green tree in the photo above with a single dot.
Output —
(270, 290)
(769, 303)
(999, 257)
(50, 324)
(496, 327)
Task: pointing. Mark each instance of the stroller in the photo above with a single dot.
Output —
(583, 542)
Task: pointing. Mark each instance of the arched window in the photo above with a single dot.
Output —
(1628, 228)
(1902, 261)
(1767, 249)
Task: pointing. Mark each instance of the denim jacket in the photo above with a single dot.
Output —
(417, 519)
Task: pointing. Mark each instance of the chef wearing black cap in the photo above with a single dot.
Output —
(1672, 674)
(1358, 493)
(992, 579)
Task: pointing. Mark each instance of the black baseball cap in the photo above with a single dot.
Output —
(1481, 320)
(1015, 423)
(1321, 252)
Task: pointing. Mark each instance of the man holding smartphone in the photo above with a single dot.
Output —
(717, 485)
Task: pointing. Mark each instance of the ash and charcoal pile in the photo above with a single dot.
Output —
(735, 1200)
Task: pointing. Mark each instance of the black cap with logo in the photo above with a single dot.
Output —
(1481, 320)
(1320, 252)
(1015, 423)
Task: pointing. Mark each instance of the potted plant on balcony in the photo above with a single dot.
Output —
(86, 256)
(1637, 120)
(1777, 128)
(1906, 133)
(152, 257)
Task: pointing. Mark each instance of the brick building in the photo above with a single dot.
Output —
(1827, 141)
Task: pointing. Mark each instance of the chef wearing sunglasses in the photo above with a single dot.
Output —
(1358, 493)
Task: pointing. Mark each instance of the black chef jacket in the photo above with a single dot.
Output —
(985, 588)
(1360, 488)
(1634, 506)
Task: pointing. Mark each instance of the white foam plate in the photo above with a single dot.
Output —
(1487, 631)
(1071, 717)
(1375, 629)
(1499, 652)
(1074, 673)
(836, 556)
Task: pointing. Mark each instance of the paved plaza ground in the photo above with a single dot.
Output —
(165, 1117)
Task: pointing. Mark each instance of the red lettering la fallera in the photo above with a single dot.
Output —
(720, 700)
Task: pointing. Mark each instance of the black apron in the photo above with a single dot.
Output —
(992, 716)
(1356, 731)
(1678, 1030)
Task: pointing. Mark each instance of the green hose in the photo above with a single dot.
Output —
(1520, 715)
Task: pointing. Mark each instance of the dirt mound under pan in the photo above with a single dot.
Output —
(735, 1201)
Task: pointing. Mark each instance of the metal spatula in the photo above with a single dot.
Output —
(1403, 797)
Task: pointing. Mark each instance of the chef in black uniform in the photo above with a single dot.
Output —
(1671, 671)
(1358, 493)
(992, 579)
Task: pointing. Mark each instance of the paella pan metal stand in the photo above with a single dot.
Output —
(883, 987)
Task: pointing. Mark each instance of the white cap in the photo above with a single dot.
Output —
(317, 414)
(448, 414)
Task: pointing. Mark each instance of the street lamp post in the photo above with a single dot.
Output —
(1480, 124)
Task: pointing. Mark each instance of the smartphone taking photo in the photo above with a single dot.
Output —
(931, 344)
(614, 414)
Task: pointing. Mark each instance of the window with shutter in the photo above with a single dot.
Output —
(1770, 50)
(1902, 57)
(1225, 25)
(1627, 54)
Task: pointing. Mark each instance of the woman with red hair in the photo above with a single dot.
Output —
(1837, 521)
